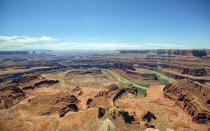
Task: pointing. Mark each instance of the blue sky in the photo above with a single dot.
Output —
(104, 24)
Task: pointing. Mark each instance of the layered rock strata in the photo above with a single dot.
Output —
(192, 97)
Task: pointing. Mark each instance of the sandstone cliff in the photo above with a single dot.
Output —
(191, 97)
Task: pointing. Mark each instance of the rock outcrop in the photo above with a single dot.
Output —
(126, 116)
(109, 92)
(123, 91)
(123, 66)
(32, 81)
(11, 96)
(145, 76)
(114, 93)
(71, 106)
(180, 76)
(89, 101)
(77, 91)
(101, 112)
(195, 71)
(83, 72)
(14, 91)
(149, 116)
(192, 97)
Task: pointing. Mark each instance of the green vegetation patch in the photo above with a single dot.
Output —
(163, 78)
(141, 88)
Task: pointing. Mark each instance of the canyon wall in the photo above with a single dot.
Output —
(191, 97)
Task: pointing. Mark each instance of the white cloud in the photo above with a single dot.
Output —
(166, 45)
(46, 42)
(25, 39)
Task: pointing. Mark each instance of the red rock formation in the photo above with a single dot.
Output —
(71, 106)
(192, 97)
(123, 91)
(195, 71)
(108, 93)
(11, 96)
(77, 91)
(14, 91)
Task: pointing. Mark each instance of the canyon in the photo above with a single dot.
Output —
(105, 92)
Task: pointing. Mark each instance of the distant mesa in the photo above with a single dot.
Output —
(13, 52)
(185, 52)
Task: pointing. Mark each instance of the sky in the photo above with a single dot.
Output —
(104, 24)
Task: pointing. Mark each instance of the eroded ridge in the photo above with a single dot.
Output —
(192, 97)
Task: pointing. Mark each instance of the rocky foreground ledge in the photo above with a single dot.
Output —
(194, 98)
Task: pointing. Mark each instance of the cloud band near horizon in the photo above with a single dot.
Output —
(26, 42)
